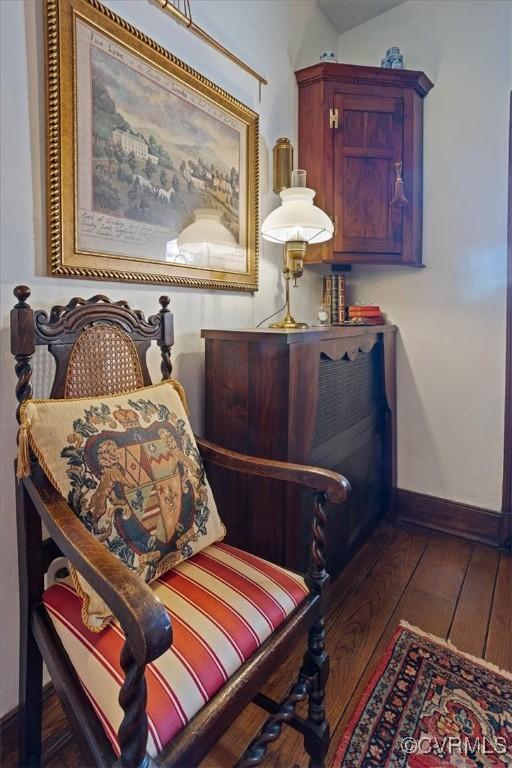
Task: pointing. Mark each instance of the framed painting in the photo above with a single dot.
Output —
(152, 169)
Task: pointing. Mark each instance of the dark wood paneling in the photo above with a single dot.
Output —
(227, 367)
(448, 516)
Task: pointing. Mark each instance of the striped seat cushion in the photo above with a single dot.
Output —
(223, 604)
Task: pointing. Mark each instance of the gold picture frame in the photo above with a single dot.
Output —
(139, 144)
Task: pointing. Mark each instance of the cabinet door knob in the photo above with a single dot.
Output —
(399, 198)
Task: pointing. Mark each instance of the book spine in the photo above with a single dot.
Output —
(341, 298)
(327, 301)
(335, 299)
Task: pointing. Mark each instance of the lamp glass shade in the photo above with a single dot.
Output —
(297, 219)
(206, 228)
(207, 242)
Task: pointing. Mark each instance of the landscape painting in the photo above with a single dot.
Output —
(149, 163)
(165, 166)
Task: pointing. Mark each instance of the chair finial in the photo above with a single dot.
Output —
(164, 302)
(22, 292)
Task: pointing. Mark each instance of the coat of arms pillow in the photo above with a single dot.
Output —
(130, 469)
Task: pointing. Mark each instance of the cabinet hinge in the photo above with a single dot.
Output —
(333, 118)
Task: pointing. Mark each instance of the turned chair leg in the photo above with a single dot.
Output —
(316, 666)
(133, 731)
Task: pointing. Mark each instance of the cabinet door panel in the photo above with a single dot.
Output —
(379, 130)
(353, 128)
(366, 212)
(367, 142)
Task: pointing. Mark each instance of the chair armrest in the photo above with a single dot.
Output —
(335, 486)
(142, 616)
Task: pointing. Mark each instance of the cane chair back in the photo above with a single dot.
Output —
(103, 361)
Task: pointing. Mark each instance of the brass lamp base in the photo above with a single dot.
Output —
(288, 323)
(293, 266)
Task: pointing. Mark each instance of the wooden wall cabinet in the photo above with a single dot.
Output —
(322, 396)
(355, 124)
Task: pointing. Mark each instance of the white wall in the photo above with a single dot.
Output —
(275, 38)
(451, 315)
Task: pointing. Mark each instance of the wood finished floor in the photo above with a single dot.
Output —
(444, 585)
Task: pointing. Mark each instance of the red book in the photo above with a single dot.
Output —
(356, 312)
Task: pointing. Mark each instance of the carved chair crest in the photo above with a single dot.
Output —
(99, 345)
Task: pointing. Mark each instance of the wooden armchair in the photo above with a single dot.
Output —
(104, 367)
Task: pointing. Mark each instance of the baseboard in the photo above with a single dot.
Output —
(464, 520)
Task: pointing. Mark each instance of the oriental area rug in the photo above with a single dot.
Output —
(429, 706)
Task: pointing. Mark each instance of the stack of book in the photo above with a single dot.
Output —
(367, 313)
(334, 298)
